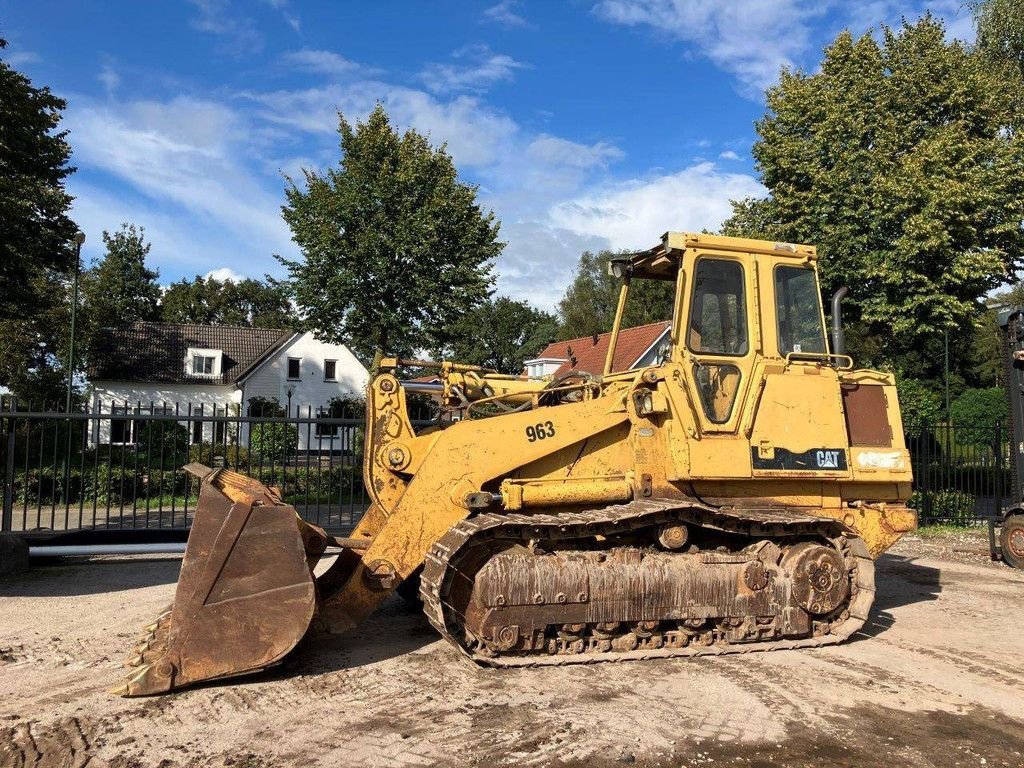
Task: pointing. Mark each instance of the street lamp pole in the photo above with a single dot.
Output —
(79, 239)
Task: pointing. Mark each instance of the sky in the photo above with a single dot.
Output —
(586, 124)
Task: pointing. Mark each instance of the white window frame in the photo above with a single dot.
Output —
(194, 352)
(335, 376)
(325, 413)
(122, 413)
(288, 369)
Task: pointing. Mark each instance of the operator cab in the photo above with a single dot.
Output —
(737, 301)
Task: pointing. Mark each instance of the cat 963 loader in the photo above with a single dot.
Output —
(730, 497)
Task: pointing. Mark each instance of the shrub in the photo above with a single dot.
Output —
(114, 485)
(273, 442)
(164, 440)
(231, 456)
(954, 507)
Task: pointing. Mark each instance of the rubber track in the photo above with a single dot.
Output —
(442, 561)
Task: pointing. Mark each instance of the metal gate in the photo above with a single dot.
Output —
(114, 473)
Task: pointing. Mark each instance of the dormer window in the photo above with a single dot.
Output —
(203, 363)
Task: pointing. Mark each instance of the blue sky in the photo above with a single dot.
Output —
(586, 124)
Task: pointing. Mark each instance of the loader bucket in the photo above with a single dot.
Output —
(245, 594)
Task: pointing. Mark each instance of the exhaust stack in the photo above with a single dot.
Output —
(838, 337)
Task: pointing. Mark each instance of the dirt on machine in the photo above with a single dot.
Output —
(730, 497)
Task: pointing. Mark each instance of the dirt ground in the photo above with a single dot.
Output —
(936, 679)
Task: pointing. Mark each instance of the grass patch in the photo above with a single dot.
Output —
(936, 530)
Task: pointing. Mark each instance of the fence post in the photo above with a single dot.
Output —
(999, 470)
(6, 522)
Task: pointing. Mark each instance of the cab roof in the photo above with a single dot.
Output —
(662, 261)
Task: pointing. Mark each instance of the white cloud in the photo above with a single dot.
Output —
(185, 181)
(21, 58)
(475, 133)
(751, 39)
(322, 62)
(729, 155)
(110, 79)
(562, 152)
(477, 69)
(539, 261)
(217, 17)
(503, 13)
(635, 213)
(222, 274)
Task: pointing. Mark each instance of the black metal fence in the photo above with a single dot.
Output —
(117, 468)
(115, 472)
(963, 475)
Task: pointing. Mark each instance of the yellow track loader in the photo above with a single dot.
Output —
(729, 498)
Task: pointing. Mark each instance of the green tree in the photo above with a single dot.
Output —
(920, 406)
(975, 413)
(897, 161)
(34, 204)
(36, 252)
(120, 289)
(34, 347)
(1001, 31)
(396, 249)
(501, 334)
(588, 306)
(208, 301)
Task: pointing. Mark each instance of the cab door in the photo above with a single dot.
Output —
(719, 333)
(798, 429)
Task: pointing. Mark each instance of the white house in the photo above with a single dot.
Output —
(204, 370)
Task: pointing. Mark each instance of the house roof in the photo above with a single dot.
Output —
(155, 352)
(589, 354)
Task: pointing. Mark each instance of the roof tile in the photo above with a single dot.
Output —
(590, 354)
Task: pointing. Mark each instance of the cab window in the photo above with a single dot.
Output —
(718, 317)
(798, 311)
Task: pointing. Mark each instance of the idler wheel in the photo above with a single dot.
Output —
(819, 577)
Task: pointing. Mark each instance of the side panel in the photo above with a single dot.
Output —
(799, 427)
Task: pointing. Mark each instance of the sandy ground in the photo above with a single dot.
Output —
(935, 680)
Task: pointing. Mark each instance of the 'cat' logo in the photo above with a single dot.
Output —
(828, 459)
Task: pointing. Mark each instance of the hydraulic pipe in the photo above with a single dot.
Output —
(838, 337)
(613, 339)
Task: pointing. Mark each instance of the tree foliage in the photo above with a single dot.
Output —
(1001, 32)
(34, 156)
(119, 289)
(975, 413)
(208, 301)
(588, 306)
(920, 406)
(501, 334)
(396, 249)
(36, 250)
(899, 162)
(34, 346)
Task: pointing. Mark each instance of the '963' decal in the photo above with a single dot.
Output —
(536, 432)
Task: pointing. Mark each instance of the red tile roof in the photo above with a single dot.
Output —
(589, 356)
